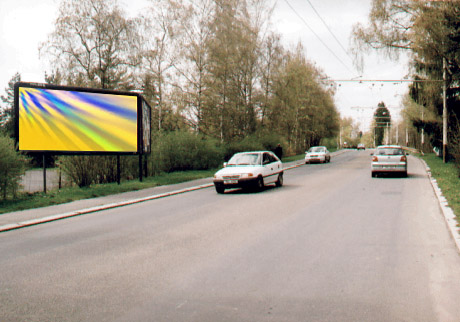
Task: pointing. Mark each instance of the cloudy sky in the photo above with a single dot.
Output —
(24, 24)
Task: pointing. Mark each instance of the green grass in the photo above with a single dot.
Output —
(293, 158)
(36, 200)
(447, 177)
(54, 197)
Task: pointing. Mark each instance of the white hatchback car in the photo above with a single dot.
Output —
(317, 154)
(389, 159)
(249, 169)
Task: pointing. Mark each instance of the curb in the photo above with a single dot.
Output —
(449, 216)
(71, 214)
(34, 222)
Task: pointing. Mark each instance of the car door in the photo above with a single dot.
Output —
(268, 168)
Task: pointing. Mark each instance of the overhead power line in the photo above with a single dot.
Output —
(330, 31)
(318, 37)
(385, 80)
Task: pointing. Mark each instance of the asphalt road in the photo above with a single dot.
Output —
(332, 244)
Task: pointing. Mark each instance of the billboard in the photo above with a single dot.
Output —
(71, 120)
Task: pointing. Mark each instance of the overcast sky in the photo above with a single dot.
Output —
(24, 24)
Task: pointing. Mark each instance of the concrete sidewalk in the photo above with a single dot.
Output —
(19, 219)
(80, 206)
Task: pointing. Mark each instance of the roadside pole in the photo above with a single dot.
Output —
(444, 112)
(118, 169)
(44, 173)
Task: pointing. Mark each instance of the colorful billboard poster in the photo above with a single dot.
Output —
(74, 120)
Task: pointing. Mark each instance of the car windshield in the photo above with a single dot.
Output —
(316, 149)
(245, 159)
(390, 151)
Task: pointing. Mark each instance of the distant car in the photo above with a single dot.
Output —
(317, 154)
(249, 170)
(361, 146)
(389, 159)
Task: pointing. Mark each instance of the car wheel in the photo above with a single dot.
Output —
(279, 182)
(260, 183)
(220, 189)
(373, 174)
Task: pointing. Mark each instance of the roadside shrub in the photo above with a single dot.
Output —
(454, 146)
(179, 151)
(330, 143)
(269, 141)
(84, 170)
(249, 143)
(12, 167)
(80, 169)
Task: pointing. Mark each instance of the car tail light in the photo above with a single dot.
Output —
(375, 159)
(403, 158)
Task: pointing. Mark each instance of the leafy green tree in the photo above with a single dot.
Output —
(302, 109)
(12, 167)
(7, 111)
(382, 123)
(429, 31)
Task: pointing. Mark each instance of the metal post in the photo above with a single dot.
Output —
(118, 169)
(407, 136)
(423, 130)
(444, 112)
(140, 167)
(44, 173)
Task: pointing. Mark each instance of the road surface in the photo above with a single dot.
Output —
(332, 244)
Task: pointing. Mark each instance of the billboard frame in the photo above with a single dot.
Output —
(143, 119)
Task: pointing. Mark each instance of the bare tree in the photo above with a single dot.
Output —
(94, 43)
(160, 28)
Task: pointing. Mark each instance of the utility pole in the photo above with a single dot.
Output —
(444, 111)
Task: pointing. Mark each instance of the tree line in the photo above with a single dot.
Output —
(213, 69)
(429, 31)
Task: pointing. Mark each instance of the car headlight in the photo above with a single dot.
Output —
(247, 175)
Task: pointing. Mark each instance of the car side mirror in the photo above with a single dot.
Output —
(225, 164)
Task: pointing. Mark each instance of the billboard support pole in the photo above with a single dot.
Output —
(140, 167)
(44, 173)
(118, 169)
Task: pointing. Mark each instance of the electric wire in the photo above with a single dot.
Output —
(318, 37)
(330, 31)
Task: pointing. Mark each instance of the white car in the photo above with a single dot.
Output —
(389, 159)
(317, 154)
(249, 169)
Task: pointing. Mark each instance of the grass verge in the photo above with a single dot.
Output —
(54, 197)
(447, 177)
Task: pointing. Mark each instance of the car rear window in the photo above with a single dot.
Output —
(390, 151)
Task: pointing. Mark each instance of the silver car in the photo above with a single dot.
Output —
(317, 154)
(389, 159)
